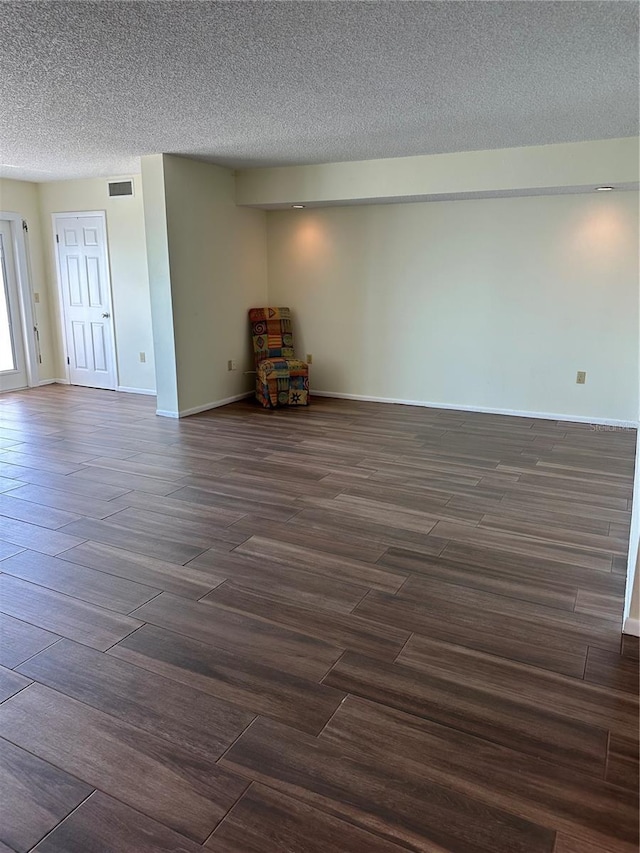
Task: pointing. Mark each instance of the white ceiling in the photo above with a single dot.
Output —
(86, 88)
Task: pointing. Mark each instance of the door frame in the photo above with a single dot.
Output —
(18, 226)
(102, 215)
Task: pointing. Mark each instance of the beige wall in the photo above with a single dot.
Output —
(128, 265)
(488, 303)
(218, 270)
(22, 197)
(157, 246)
(506, 170)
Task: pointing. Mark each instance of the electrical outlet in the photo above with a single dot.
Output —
(581, 377)
(36, 298)
(232, 365)
(309, 358)
(143, 357)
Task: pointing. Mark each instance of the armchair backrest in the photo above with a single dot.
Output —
(271, 333)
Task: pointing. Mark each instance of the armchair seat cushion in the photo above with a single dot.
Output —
(282, 381)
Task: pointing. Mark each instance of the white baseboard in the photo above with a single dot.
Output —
(184, 413)
(125, 390)
(459, 407)
(53, 382)
(631, 626)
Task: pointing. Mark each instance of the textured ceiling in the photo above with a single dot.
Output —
(86, 88)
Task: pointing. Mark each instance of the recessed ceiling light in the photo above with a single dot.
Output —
(298, 206)
(604, 189)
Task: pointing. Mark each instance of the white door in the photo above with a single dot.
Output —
(86, 300)
(13, 371)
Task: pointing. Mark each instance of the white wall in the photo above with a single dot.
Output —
(218, 270)
(488, 303)
(22, 197)
(128, 263)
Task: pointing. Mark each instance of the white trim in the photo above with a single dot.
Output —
(631, 626)
(125, 390)
(184, 413)
(634, 537)
(53, 382)
(102, 214)
(547, 416)
(25, 294)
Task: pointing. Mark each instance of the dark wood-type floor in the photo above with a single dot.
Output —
(352, 627)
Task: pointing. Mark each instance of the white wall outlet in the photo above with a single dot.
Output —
(309, 358)
(232, 364)
(143, 357)
(581, 377)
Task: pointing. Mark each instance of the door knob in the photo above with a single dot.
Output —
(106, 315)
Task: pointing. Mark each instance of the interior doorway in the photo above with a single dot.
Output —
(13, 364)
(85, 297)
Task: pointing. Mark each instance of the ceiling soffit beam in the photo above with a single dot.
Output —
(530, 170)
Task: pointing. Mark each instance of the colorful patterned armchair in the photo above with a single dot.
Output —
(281, 378)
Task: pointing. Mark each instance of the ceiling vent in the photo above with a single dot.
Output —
(120, 188)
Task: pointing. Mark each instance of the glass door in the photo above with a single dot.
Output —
(13, 372)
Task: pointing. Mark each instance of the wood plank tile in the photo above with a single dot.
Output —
(43, 516)
(19, 640)
(548, 691)
(630, 647)
(8, 550)
(525, 567)
(133, 466)
(611, 670)
(566, 536)
(498, 541)
(186, 794)
(602, 605)
(394, 801)
(101, 817)
(347, 631)
(550, 593)
(566, 844)
(299, 702)
(187, 717)
(546, 793)
(215, 515)
(125, 480)
(185, 581)
(267, 821)
(110, 533)
(202, 496)
(79, 582)
(41, 461)
(518, 544)
(544, 624)
(285, 582)
(470, 708)
(622, 762)
(35, 797)
(202, 534)
(335, 542)
(62, 614)
(11, 682)
(67, 501)
(271, 645)
(68, 485)
(340, 568)
(37, 538)
(502, 637)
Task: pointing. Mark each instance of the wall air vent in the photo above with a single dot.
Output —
(119, 188)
